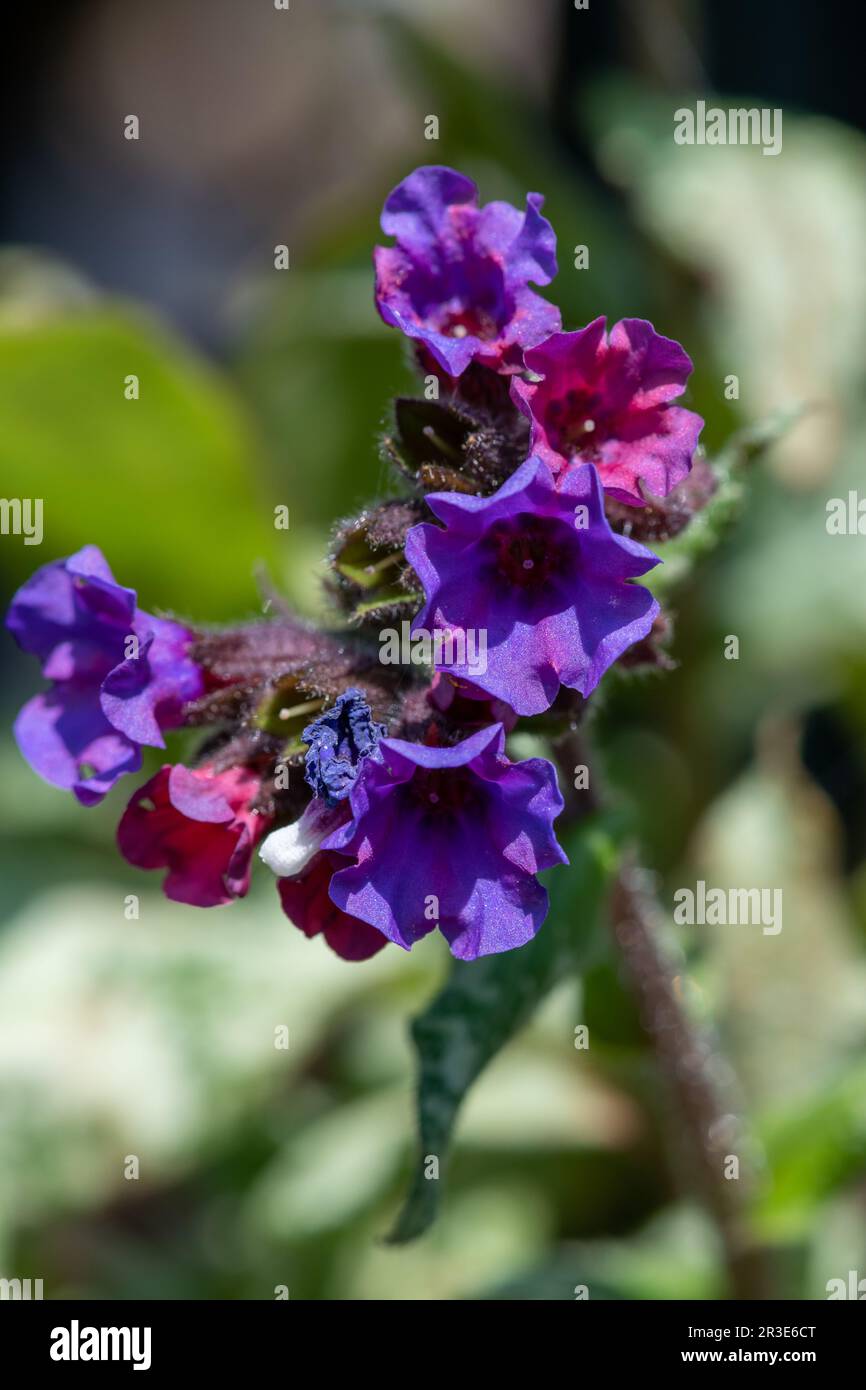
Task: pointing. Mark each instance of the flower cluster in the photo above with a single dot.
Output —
(383, 796)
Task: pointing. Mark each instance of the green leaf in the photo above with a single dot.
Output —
(485, 1002)
(165, 484)
(814, 1146)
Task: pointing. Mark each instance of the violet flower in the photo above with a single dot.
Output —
(119, 676)
(451, 838)
(458, 278)
(537, 568)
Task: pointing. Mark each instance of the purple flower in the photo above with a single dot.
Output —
(339, 741)
(105, 700)
(458, 278)
(449, 837)
(606, 400)
(536, 569)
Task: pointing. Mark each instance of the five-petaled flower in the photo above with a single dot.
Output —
(119, 676)
(537, 565)
(475, 828)
(458, 278)
(607, 400)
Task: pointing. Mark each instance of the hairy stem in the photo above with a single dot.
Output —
(711, 1133)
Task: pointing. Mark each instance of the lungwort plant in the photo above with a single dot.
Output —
(369, 763)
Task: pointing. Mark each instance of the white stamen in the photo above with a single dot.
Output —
(289, 850)
(589, 426)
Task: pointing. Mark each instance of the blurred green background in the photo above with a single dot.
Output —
(262, 1167)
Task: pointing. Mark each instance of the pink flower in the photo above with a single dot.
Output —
(606, 400)
(199, 825)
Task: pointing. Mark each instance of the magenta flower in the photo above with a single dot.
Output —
(449, 837)
(199, 825)
(536, 569)
(458, 278)
(606, 400)
(119, 676)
